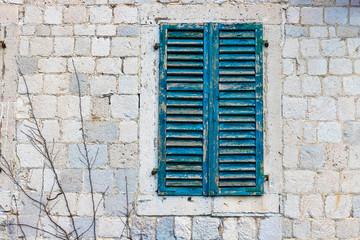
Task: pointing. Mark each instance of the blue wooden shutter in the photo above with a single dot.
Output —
(236, 161)
(210, 109)
(183, 110)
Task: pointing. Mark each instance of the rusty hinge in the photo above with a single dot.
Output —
(265, 177)
(154, 171)
(157, 46)
(266, 43)
(3, 45)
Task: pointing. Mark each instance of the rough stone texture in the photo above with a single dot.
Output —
(270, 229)
(312, 157)
(205, 228)
(182, 228)
(101, 132)
(312, 206)
(164, 229)
(323, 229)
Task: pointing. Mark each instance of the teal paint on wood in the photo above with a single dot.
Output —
(210, 109)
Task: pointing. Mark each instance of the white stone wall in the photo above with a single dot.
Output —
(311, 116)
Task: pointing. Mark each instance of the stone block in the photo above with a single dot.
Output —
(127, 31)
(318, 32)
(71, 180)
(299, 181)
(110, 227)
(101, 131)
(346, 108)
(312, 156)
(165, 228)
(351, 132)
(351, 85)
(354, 156)
(71, 131)
(102, 180)
(348, 31)
(309, 48)
(128, 131)
(124, 106)
(349, 181)
(340, 66)
(106, 30)
(311, 206)
(44, 106)
(356, 206)
(323, 229)
(288, 66)
(100, 107)
(115, 204)
(41, 46)
(75, 81)
(102, 84)
(312, 15)
(100, 14)
(28, 156)
(82, 65)
(97, 154)
(100, 47)
(43, 30)
(329, 132)
(301, 229)
(84, 205)
(206, 228)
(353, 45)
(126, 178)
(33, 14)
(56, 84)
(182, 228)
(294, 108)
(317, 66)
(82, 46)
(68, 107)
(333, 48)
(354, 16)
(338, 206)
(296, 31)
(310, 132)
(347, 229)
(291, 206)
(332, 86)
(61, 30)
(311, 85)
(143, 228)
(64, 46)
(110, 66)
(34, 84)
(27, 65)
(84, 30)
(291, 156)
(131, 65)
(327, 182)
(337, 156)
(270, 229)
(293, 14)
(291, 48)
(123, 155)
(123, 47)
(75, 14)
(336, 15)
(53, 14)
(52, 65)
(128, 85)
(51, 130)
(126, 14)
(322, 108)
(247, 228)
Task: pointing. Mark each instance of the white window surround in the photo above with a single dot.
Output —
(147, 200)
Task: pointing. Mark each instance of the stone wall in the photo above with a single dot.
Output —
(311, 116)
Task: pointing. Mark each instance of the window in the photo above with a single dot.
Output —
(210, 109)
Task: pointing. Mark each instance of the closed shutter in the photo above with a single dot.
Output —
(211, 139)
(183, 110)
(238, 109)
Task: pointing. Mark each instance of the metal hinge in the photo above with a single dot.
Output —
(3, 45)
(265, 42)
(157, 46)
(154, 171)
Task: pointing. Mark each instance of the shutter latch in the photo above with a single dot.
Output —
(3, 45)
(265, 177)
(154, 171)
(266, 43)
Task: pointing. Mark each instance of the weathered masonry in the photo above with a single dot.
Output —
(218, 135)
